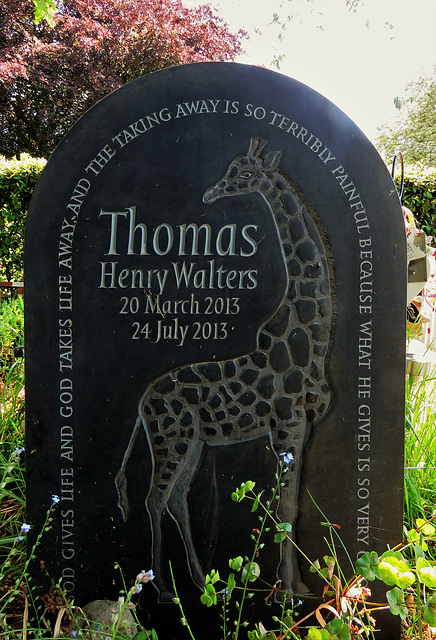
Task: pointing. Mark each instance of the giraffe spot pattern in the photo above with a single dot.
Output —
(283, 406)
(181, 448)
(265, 386)
(259, 359)
(306, 251)
(235, 386)
(186, 419)
(300, 346)
(248, 398)
(277, 326)
(272, 389)
(308, 289)
(187, 374)
(279, 356)
(216, 401)
(191, 394)
(306, 310)
(263, 408)
(293, 381)
(245, 420)
(166, 385)
(249, 376)
(320, 332)
(265, 341)
(297, 230)
(294, 268)
(205, 415)
(159, 405)
(229, 369)
(211, 371)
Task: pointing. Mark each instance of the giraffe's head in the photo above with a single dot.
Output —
(245, 173)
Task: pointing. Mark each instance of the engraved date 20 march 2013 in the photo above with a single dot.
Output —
(188, 306)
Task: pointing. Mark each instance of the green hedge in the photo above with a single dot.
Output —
(19, 177)
(17, 181)
(420, 197)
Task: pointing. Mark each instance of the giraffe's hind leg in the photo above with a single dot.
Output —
(156, 503)
(169, 490)
(179, 510)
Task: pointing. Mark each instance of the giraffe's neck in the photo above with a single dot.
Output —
(274, 189)
(301, 254)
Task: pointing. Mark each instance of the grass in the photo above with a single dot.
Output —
(12, 483)
(420, 450)
(15, 596)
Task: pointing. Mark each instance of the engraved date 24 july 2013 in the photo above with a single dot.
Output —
(162, 331)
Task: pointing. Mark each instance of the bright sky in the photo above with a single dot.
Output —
(355, 59)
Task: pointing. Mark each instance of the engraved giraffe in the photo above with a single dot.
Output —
(279, 389)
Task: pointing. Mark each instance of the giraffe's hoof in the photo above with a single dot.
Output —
(300, 590)
(166, 597)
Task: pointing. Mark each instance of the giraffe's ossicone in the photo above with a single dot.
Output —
(280, 389)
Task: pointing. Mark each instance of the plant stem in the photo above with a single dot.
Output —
(178, 602)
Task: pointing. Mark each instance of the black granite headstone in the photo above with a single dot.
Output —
(215, 276)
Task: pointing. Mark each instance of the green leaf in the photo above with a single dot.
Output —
(231, 584)
(338, 628)
(213, 577)
(427, 575)
(425, 527)
(239, 494)
(236, 563)
(250, 572)
(334, 626)
(396, 602)
(256, 502)
(315, 567)
(429, 613)
(405, 579)
(367, 565)
(314, 634)
(387, 572)
(283, 528)
(422, 562)
(145, 635)
(209, 595)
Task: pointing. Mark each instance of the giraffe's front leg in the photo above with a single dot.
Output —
(289, 570)
(290, 464)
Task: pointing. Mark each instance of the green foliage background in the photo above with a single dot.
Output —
(19, 177)
(17, 182)
(420, 197)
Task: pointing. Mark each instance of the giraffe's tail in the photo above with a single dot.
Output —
(120, 478)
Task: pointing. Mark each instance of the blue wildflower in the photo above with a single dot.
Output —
(145, 576)
(25, 528)
(287, 457)
(20, 538)
(55, 499)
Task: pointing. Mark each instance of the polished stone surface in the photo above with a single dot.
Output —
(215, 275)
